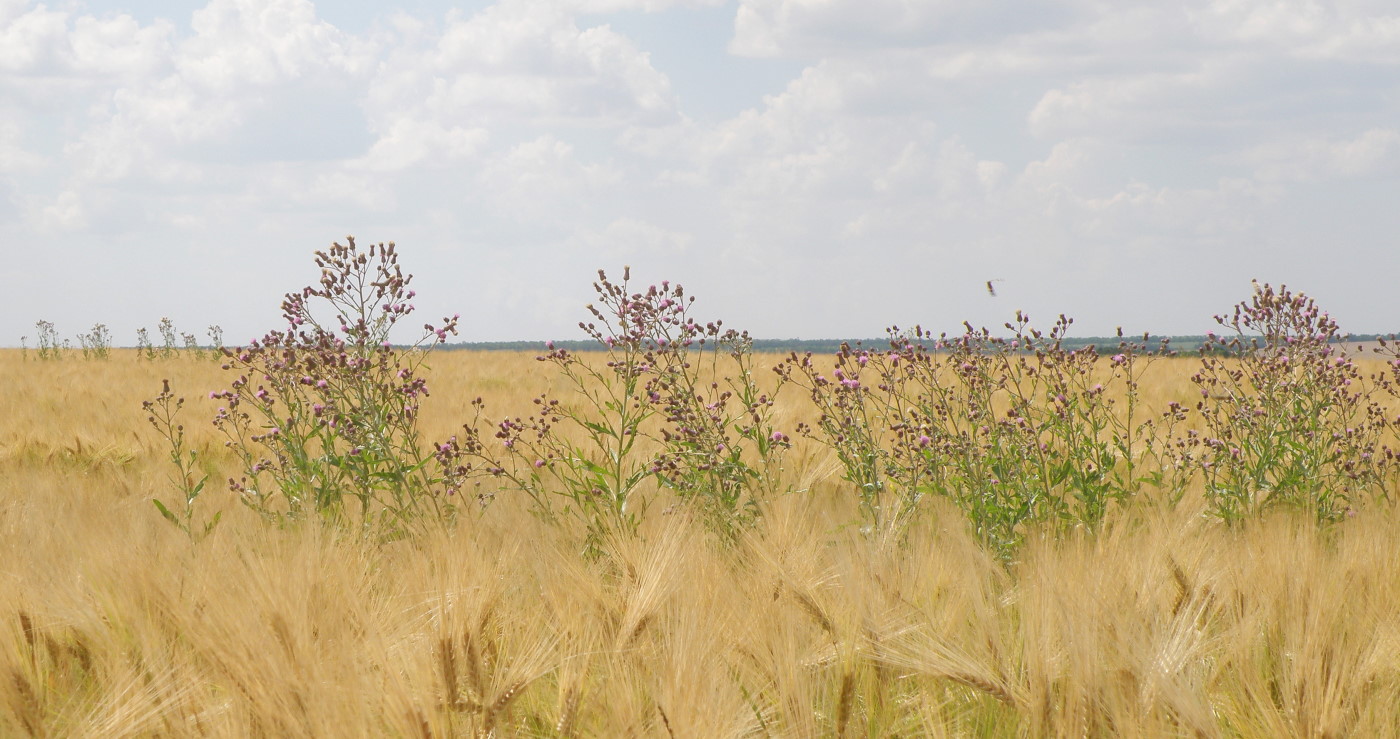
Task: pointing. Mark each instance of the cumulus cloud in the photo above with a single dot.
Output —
(1372, 153)
(242, 43)
(627, 238)
(1095, 156)
(57, 43)
(15, 155)
(517, 61)
(1355, 30)
(784, 27)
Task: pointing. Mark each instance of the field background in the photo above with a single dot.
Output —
(112, 623)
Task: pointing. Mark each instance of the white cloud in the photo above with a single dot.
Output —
(54, 60)
(241, 43)
(409, 142)
(927, 146)
(627, 238)
(53, 42)
(649, 6)
(64, 213)
(516, 60)
(1353, 30)
(15, 156)
(803, 27)
(544, 181)
(516, 68)
(1372, 153)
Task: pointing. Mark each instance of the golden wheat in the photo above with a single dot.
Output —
(112, 623)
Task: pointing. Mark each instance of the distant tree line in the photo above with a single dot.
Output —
(1189, 343)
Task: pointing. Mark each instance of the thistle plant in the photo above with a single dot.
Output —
(169, 344)
(49, 343)
(97, 343)
(163, 416)
(721, 446)
(658, 406)
(1011, 429)
(216, 340)
(323, 413)
(1289, 420)
(191, 344)
(144, 348)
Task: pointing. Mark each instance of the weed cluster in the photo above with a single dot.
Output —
(97, 343)
(323, 413)
(1287, 417)
(1015, 429)
(1012, 430)
(674, 401)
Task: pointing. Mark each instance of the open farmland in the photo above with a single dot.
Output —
(1164, 622)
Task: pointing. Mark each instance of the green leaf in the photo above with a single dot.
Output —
(171, 517)
(597, 428)
(209, 527)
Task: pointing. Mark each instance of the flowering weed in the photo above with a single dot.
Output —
(659, 406)
(1011, 429)
(164, 410)
(1288, 417)
(323, 414)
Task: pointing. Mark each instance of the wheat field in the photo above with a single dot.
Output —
(114, 624)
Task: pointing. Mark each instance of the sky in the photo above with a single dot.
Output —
(805, 168)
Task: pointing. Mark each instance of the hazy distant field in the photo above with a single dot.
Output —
(1166, 624)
